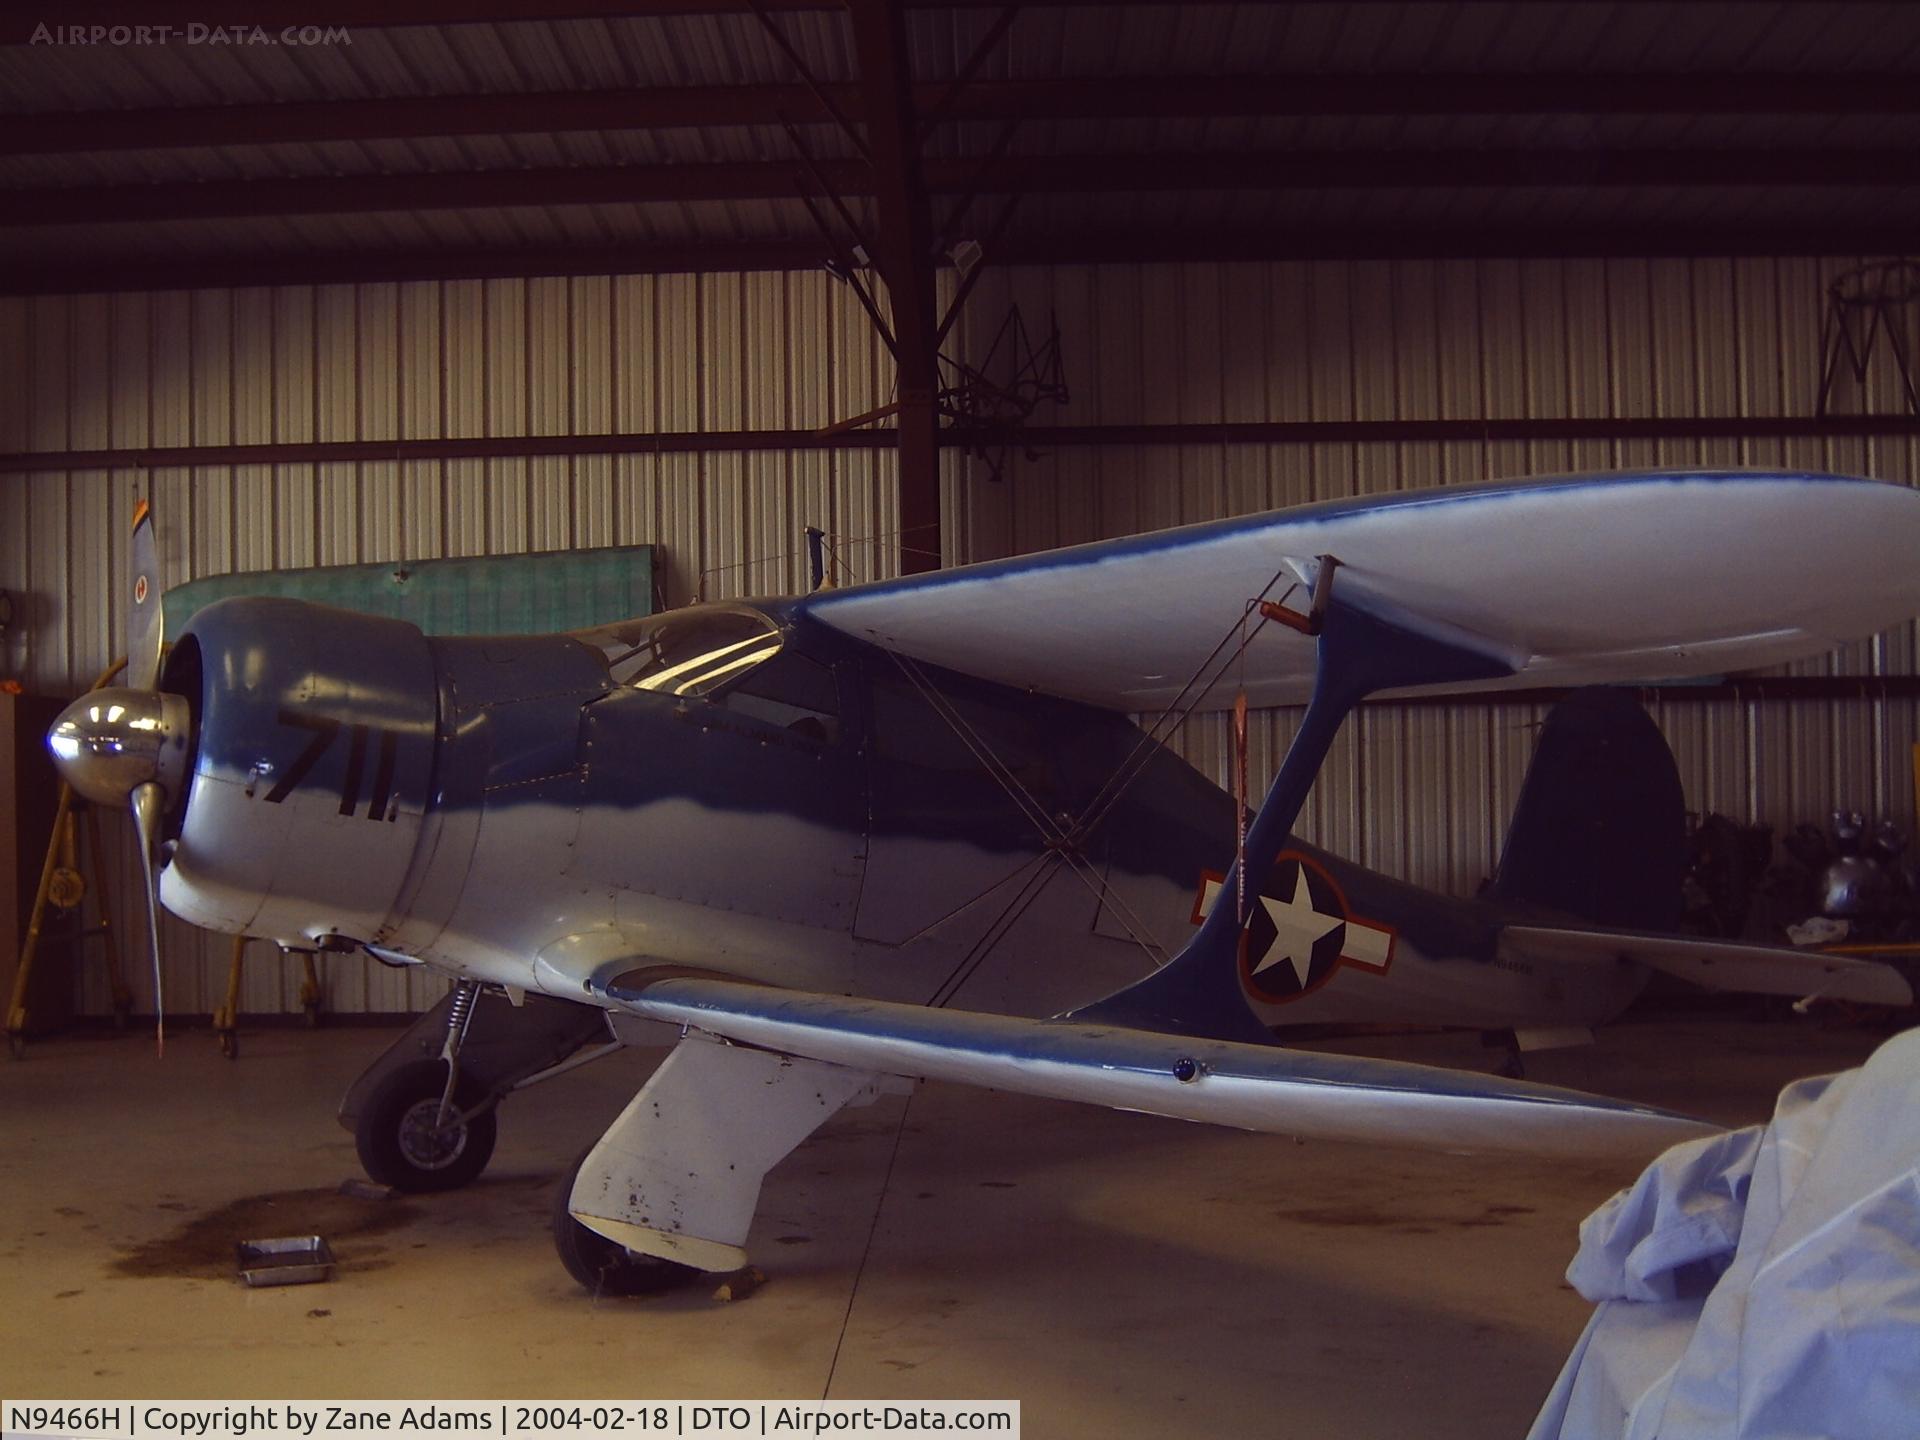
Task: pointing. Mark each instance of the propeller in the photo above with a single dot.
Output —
(129, 745)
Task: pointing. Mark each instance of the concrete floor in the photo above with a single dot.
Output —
(1118, 1274)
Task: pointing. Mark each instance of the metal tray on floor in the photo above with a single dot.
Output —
(290, 1260)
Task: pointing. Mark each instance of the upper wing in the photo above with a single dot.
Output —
(1252, 1087)
(1721, 964)
(1574, 580)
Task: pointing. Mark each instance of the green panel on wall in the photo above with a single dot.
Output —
(533, 594)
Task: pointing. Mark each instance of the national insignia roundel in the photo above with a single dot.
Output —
(1300, 931)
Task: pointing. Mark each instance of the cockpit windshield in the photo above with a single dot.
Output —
(686, 652)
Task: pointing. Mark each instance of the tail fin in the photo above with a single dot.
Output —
(1600, 830)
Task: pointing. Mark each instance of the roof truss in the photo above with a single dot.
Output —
(1142, 98)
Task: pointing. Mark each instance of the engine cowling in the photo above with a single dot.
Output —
(311, 769)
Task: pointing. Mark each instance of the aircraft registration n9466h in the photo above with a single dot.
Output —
(909, 830)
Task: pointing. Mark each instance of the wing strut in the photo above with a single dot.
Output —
(1357, 651)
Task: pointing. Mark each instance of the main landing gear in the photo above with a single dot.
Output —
(603, 1266)
(425, 1115)
(424, 1121)
(420, 1133)
(426, 1126)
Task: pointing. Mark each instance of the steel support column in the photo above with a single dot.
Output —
(903, 254)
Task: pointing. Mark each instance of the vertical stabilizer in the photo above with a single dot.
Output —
(1600, 830)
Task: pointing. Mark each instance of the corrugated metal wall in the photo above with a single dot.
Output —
(1418, 792)
(1424, 793)
(460, 358)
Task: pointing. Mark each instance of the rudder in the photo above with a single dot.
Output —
(1600, 829)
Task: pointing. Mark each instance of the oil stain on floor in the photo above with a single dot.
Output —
(202, 1248)
(1406, 1220)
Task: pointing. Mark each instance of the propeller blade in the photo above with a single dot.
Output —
(149, 804)
(143, 595)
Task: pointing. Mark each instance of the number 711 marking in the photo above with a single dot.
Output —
(325, 731)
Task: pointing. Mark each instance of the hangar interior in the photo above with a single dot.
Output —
(949, 282)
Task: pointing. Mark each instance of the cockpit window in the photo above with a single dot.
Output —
(686, 652)
(795, 693)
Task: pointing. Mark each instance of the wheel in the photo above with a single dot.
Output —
(399, 1144)
(601, 1265)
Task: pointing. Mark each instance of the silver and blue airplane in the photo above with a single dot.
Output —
(826, 846)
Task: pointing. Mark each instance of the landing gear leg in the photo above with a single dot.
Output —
(424, 1128)
(500, 1048)
(601, 1265)
(466, 994)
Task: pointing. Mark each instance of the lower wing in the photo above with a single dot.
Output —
(1250, 1087)
(1719, 964)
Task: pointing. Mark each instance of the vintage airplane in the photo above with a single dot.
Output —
(822, 845)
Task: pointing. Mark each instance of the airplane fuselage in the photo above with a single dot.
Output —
(767, 800)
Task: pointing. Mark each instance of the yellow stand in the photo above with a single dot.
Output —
(63, 885)
(226, 1020)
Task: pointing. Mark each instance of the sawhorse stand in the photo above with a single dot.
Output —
(226, 1020)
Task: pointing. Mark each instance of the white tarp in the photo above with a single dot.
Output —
(1762, 1283)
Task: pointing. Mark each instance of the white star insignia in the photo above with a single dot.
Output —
(1298, 926)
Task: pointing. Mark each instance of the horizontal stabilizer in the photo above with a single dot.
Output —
(1250, 1087)
(1719, 964)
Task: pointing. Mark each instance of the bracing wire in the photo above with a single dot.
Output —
(1044, 866)
(1178, 711)
(1064, 843)
(1059, 841)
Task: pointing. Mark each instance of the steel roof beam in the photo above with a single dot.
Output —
(1383, 242)
(444, 190)
(416, 117)
(1390, 240)
(694, 442)
(362, 267)
(1427, 93)
(1059, 174)
(1419, 168)
(1106, 246)
(273, 15)
(677, 106)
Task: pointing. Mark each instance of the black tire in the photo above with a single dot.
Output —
(600, 1265)
(395, 1135)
